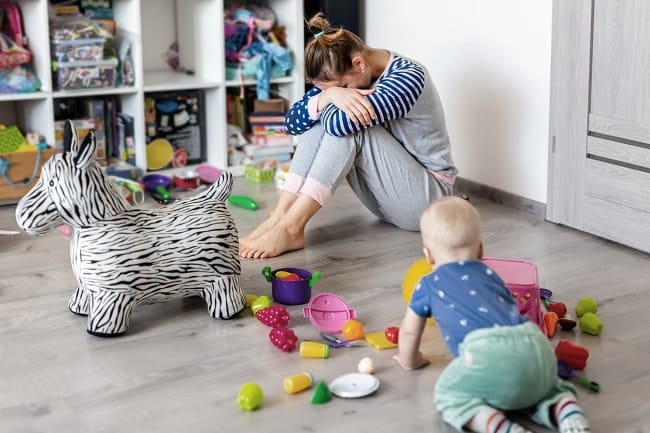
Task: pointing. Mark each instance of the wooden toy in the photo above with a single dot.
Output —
(122, 257)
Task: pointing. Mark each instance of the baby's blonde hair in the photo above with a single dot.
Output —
(451, 225)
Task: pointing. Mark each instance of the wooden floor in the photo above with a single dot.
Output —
(178, 370)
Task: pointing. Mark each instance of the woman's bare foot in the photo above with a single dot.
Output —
(264, 227)
(276, 241)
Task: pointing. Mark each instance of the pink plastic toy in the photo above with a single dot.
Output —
(328, 312)
(521, 279)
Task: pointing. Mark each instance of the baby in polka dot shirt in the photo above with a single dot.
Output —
(502, 361)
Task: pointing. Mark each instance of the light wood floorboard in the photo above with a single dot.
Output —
(178, 370)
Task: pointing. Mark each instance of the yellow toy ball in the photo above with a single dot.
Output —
(414, 273)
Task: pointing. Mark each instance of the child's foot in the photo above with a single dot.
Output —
(569, 416)
(490, 420)
(276, 241)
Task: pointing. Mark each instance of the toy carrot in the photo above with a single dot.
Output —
(551, 320)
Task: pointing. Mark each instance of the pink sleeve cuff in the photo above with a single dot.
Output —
(312, 107)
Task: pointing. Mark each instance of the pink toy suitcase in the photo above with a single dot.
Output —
(521, 279)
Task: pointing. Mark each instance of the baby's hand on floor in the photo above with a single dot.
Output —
(412, 364)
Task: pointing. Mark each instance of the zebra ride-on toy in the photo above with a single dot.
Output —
(121, 256)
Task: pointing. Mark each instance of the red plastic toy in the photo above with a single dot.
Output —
(275, 316)
(572, 354)
(283, 338)
(392, 334)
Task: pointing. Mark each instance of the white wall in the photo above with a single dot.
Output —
(490, 61)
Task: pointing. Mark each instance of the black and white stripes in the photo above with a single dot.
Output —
(123, 257)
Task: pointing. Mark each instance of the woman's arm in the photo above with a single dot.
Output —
(297, 119)
(394, 96)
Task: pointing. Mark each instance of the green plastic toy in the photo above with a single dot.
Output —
(250, 396)
(322, 394)
(243, 201)
(586, 305)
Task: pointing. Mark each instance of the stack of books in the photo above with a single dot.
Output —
(269, 138)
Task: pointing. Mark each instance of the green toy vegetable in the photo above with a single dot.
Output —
(243, 201)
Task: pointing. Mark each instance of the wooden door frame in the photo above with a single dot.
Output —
(569, 110)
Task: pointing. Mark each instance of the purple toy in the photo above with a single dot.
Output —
(291, 292)
(566, 372)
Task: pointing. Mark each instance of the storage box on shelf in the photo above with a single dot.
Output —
(197, 27)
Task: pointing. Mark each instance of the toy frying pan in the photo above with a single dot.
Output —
(566, 372)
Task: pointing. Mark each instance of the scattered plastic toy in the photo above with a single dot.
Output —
(366, 365)
(250, 396)
(322, 394)
(354, 385)
(243, 201)
(392, 334)
(275, 316)
(314, 349)
(290, 286)
(297, 383)
(565, 371)
(334, 341)
(259, 303)
(379, 341)
(590, 324)
(586, 305)
(328, 312)
(352, 329)
(551, 320)
(283, 338)
(572, 354)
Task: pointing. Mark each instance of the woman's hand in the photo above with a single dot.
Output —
(352, 102)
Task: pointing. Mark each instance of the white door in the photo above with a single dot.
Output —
(599, 172)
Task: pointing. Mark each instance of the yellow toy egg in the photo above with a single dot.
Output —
(414, 273)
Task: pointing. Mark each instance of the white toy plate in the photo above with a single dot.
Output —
(354, 385)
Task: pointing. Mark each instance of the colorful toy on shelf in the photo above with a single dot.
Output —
(565, 371)
(352, 329)
(571, 353)
(274, 316)
(290, 286)
(590, 324)
(123, 257)
(243, 201)
(328, 312)
(283, 338)
(158, 186)
(250, 396)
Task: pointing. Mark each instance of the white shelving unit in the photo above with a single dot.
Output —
(197, 26)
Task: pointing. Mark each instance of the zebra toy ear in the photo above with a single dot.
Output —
(70, 137)
(86, 153)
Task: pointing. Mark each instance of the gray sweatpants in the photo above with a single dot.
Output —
(388, 180)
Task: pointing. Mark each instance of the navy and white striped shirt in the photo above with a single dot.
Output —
(405, 101)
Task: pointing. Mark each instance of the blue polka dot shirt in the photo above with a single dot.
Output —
(463, 297)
